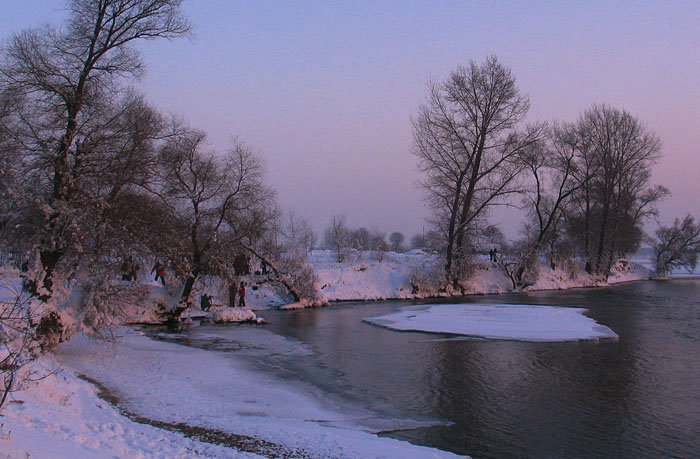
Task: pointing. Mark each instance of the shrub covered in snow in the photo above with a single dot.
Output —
(427, 280)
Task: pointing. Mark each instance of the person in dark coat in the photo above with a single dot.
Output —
(127, 266)
(134, 273)
(205, 302)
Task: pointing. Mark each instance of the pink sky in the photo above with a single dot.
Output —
(326, 90)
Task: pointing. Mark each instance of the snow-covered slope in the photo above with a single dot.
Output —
(365, 277)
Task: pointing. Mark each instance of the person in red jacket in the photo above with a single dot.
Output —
(241, 295)
(159, 269)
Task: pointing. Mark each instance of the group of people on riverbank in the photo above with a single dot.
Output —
(130, 270)
(236, 291)
(236, 296)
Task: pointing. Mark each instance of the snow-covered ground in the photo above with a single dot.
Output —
(498, 321)
(364, 277)
(61, 416)
(183, 389)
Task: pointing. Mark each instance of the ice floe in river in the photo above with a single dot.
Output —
(517, 322)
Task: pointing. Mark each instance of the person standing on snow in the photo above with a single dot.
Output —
(134, 273)
(241, 295)
(127, 266)
(159, 269)
(232, 292)
(205, 302)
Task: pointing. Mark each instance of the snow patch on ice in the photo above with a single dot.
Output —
(498, 321)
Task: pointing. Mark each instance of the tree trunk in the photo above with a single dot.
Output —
(468, 198)
(613, 244)
(452, 224)
(187, 288)
(601, 235)
(61, 193)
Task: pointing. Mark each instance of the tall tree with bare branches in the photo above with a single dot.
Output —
(218, 204)
(467, 145)
(618, 194)
(553, 174)
(63, 79)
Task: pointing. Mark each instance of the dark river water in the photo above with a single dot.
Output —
(638, 396)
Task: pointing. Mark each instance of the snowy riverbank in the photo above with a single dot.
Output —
(180, 390)
(366, 277)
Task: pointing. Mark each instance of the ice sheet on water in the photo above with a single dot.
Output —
(244, 340)
(517, 322)
(377, 424)
(264, 347)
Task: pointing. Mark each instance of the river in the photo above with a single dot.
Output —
(638, 396)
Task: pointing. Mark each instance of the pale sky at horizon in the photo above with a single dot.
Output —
(326, 90)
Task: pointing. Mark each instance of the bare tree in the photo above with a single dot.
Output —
(618, 196)
(677, 246)
(517, 262)
(377, 241)
(490, 237)
(396, 239)
(115, 150)
(337, 236)
(219, 201)
(298, 232)
(467, 146)
(289, 262)
(552, 174)
(19, 344)
(360, 239)
(117, 160)
(430, 240)
(64, 77)
(8, 169)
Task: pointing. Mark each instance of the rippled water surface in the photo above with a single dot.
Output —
(638, 396)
